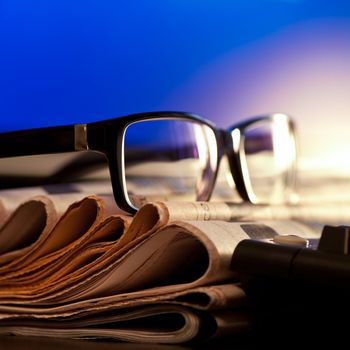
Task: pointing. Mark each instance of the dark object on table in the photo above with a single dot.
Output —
(298, 292)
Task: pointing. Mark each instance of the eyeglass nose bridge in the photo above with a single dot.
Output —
(232, 140)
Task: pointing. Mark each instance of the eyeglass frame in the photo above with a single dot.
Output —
(107, 137)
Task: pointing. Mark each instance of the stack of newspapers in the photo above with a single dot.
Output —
(72, 265)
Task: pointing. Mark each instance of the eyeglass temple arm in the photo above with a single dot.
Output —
(43, 141)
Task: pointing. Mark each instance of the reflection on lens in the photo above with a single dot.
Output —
(269, 154)
(168, 159)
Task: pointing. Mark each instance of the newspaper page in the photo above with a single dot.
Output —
(78, 259)
(91, 263)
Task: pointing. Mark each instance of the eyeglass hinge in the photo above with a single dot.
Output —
(80, 137)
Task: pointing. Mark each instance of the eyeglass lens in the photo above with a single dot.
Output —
(267, 157)
(175, 159)
(168, 159)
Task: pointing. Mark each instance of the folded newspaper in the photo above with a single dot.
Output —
(75, 266)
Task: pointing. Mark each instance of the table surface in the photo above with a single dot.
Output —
(26, 343)
(271, 332)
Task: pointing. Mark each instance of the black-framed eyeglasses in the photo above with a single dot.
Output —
(175, 154)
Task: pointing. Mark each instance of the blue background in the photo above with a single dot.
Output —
(74, 61)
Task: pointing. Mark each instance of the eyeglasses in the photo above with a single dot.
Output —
(175, 154)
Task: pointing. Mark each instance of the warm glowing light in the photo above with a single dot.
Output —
(283, 153)
(302, 70)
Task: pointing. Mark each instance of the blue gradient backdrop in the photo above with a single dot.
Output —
(72, 61)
